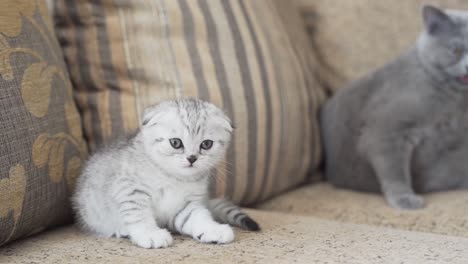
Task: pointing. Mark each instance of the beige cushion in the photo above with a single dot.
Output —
(41, 145)
(284, 239)
(353, 37)
(249, 57)
(445, 213)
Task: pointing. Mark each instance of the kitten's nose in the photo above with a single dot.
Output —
(192, 159)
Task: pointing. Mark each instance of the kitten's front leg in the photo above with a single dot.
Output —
(140, 224)
(195, 220)
(391, 160)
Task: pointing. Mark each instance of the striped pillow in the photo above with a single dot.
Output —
(251, 58)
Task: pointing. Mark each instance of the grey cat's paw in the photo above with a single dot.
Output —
(406, 201)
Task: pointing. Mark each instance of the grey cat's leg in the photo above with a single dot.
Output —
(138, 220)
(391, 163)
(196, 221)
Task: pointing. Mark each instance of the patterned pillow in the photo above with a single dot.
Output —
(249, 57)
(41, 143)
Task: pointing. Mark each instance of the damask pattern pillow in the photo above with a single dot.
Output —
(250, 58)
(41, 143)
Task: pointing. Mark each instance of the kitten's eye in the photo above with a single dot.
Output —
(176, 143)
(458, 51)
(207, 144)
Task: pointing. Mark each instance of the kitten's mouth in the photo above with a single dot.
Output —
(463, 79)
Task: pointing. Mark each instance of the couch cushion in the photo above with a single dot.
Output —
(41, 145)
(251, 58)
(354, 37)
(445, 213)
(284, 239)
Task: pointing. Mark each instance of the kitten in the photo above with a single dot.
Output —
(158, 180)
(403, 129)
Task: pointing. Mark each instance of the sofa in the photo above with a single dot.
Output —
(78, 74)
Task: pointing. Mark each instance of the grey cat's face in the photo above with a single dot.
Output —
(186, 137)
(444, 44)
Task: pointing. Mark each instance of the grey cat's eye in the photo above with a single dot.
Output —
(207, 144)
(176, 143)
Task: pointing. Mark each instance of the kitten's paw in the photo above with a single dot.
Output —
(218, 234)
(157, 238)
(406, 201)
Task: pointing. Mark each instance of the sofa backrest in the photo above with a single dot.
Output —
(353, 37)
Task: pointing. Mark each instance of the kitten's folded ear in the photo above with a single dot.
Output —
(226, 122)
(151, 115)
(436, 20)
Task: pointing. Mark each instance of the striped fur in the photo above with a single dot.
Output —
(225, 211)
(251, 58)
(158, 179)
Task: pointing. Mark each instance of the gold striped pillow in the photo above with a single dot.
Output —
(251, 58)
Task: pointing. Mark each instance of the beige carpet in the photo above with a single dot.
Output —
(285, 239)
(445, 213)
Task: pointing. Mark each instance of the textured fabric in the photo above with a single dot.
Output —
(284, 239)
(41, 144)
(354, 37)
(250, 58)
(445, 213)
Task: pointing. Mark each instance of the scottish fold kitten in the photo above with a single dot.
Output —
(403, 129)
(158, 180)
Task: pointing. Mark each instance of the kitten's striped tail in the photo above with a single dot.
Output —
(225, 211)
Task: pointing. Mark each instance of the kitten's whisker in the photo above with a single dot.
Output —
(225, 163)
(219, 176)
(223, 171)
(222, 176)
(219, 180)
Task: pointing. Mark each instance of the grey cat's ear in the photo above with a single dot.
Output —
(436, 20)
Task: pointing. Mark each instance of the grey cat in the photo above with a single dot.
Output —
(157, 181)
(403, 129)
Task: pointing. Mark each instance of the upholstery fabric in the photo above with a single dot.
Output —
(352, 38)
(286, 238)
(445, 213)
(251, 58)
(41, 143)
